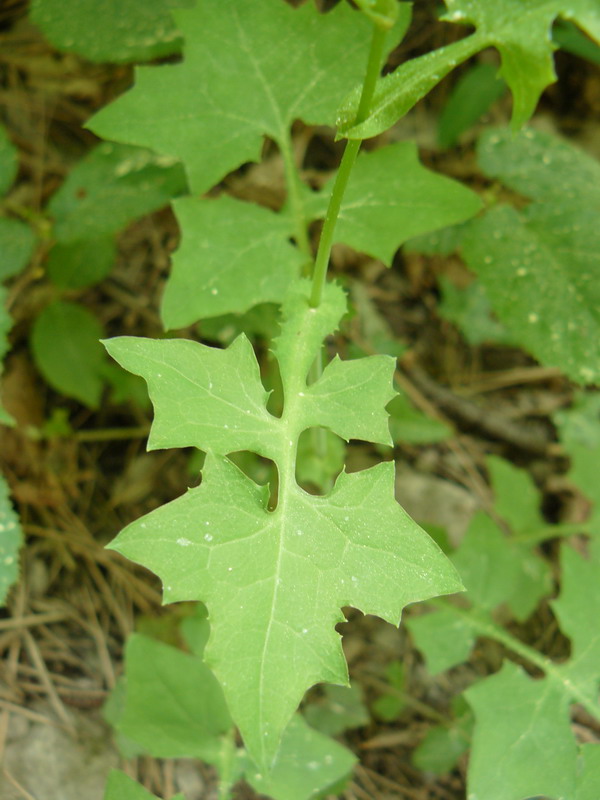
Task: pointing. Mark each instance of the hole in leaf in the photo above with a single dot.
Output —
(260, 324)
(354, 618)
(195, 466)
(258, 469)
(362, 455)
(319, 460)
(261, 470)
(271, 378)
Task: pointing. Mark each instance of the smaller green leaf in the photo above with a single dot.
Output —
(568, 37)
(84, 262)
(17, 241)
(341, 708)
(408, 424)
(389, 705)
(196, 630)
(287, 63)
(174, 706)
(470, 310)
(110, 30)
(396, 93)
(440, 750)
(444, 638)
(517, 499)
(259, 322)
(495, 569)
(443, 242)
(580, 432)
(444, 745)
(580, 424)
(505, 762)
(113, 185)
(392, 197)
(539, 278)
(65, 341)
(232, 256)
(525, 49)
(472, 96)
(522, 741)
(11, 538)
(9, 161)
(541, 167)
(485, 562)
(577, 609)
(308, 765)
(112, 710)
(121, 787)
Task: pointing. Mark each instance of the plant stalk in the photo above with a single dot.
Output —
(546, 665)
(345, 168)
(227, 773)
(292, 181)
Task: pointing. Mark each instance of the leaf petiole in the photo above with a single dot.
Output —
(486, 627)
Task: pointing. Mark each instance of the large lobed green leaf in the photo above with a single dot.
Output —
(275, 581)
(251, 68)
(540, 266)
(519, 29)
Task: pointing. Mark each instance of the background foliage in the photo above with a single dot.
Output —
(499, 271)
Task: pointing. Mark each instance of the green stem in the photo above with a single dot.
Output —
(293, 186)
(343, 175)
(97, 435)
(319, 435)
(551, 532)
(226, 768)
(553, 671)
